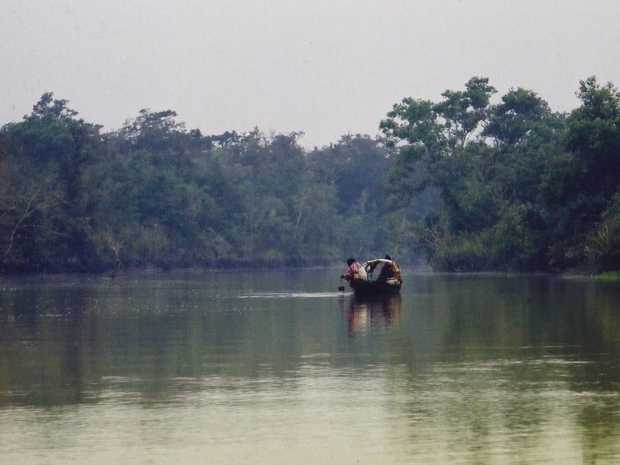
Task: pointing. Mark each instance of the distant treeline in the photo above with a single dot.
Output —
(154, 194)
(476, 185)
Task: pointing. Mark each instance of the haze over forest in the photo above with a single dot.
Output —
(473, 180)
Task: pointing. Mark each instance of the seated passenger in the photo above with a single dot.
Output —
(387, 272)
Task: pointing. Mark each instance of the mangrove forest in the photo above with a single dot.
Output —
(471, 182)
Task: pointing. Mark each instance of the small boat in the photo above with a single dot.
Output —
(387, 282)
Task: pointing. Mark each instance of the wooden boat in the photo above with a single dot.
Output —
(389, 280)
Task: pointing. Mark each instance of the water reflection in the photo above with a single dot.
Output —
(364, 313)
(43, 338)
(278, 368)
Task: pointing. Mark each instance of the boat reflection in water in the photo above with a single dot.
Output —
(366, 313)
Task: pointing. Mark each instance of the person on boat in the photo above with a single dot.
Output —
(386, 270)
(390, 271)
(355, 272)
(372, 264)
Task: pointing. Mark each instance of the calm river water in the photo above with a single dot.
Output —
(281, 368)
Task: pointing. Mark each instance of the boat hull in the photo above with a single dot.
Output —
(372, 288)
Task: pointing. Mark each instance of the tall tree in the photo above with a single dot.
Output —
(582, 189)
(487, 162)
(57, 146)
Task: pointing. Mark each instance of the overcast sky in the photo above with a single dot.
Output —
(324, 67)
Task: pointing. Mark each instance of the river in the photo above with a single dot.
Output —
(278, 367)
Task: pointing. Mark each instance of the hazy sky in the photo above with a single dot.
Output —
(326, 68)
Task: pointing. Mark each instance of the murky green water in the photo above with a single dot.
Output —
(279, 368)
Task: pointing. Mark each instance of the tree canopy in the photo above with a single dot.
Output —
(521, 187)
(155, 194)
(476, 180)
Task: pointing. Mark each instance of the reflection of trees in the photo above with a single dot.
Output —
(464, 338)
(524, 360)
(42, 336)
(524, 405)
(511, 313)
(74, 342)
(365, 312)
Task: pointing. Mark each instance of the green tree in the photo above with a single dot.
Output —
(487, 162)
(594, 136)
(23, 198)
(357, 168)
(56, 147)
(440, 145)
(580, 192)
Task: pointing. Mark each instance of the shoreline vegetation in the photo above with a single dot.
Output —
(471, 183)
(608, 276)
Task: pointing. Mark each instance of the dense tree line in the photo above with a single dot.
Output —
(154, 194)
(522, 187)
(477, 183)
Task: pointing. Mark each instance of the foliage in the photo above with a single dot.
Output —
(608, 276)
(521, 187)
(479, 183)
(154, 194)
